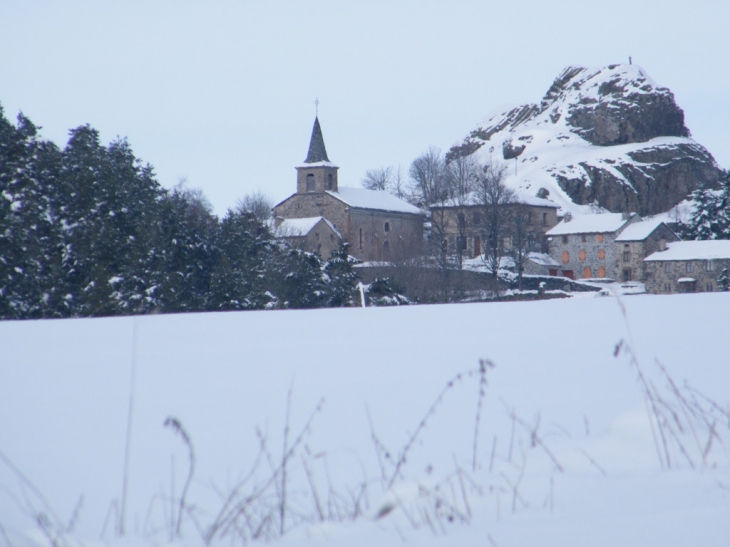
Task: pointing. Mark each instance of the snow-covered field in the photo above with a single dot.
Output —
(570, 448)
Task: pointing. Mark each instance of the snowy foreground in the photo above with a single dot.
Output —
(579, 439)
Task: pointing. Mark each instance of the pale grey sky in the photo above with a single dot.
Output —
(222, 91)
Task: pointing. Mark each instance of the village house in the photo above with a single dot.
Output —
(585, 245)
(687, 266)
(377, 225)
(460, 223)
(637, 241)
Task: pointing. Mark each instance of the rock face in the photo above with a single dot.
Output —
(606, 138)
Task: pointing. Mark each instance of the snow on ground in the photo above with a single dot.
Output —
(565, 449)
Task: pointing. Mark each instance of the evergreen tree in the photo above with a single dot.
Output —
(723, 282)
(239, 281)
(711, 216)
(342, 286)
(297, 278)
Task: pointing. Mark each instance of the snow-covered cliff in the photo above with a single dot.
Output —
(607, 138)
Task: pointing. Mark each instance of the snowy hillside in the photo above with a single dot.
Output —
(580, 437)
(601, 137)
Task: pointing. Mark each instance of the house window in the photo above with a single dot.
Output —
(709, 287)
(476, 219)
(601, 272)
(709, 266)
(601, 254)
(544, 219)
(461, 220)
(582, 255)
(386, 226)
(310, 183)
(599, 238)
(460, 243)
(688, 267)
(587, 273)
(583, 238)
(667, 267)
(627, 256)
(565, 239)
(667, 287)
(566, 257)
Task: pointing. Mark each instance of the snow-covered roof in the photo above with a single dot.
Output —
(589, 224)
(292, 227)
(317, 164)
(639, 231)
(521, 196)
(542, 259)
(693, 250)
(374, 199)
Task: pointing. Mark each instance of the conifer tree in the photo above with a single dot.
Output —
(723, 282)
(342, 287)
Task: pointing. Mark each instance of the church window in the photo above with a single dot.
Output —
(329, 181)
(386, 227)
(310, 183)
(361, 239)
(386, 249)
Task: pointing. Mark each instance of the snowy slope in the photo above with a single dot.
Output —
(600, 138)
(564, 452)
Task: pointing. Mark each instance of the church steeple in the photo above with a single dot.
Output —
(317, 174)
(317, 152)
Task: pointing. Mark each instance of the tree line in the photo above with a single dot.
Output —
(86, 230)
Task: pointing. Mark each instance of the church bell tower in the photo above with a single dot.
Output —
(317, 174)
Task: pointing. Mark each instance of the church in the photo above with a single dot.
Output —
(378, 226)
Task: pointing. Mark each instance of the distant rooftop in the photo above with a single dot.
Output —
(639, 231)
(590, 224)
(693, 250)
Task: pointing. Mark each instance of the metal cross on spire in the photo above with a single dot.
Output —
(316, 107)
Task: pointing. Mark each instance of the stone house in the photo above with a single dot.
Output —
(378, 225)
(313, 234)
(687, 266)
(460, 222)
(585, 245)
(637, 241)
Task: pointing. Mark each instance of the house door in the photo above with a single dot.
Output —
(627, 274)
(477, 246)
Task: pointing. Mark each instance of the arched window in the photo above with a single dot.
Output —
(386, 227)
(310, 183)
(601, 272)
(582, 255)
(587, 273)
(566, 257)
(599, 238)
(601, 254)
(329, 181)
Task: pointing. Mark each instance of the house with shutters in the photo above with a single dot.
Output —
(377, 225)
(585, 245)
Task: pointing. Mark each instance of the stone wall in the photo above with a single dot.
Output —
(630, 255)
(662, 277)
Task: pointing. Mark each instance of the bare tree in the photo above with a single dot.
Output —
(525, 239)
(460, 176)
(378, 179)
(493, 199)
(427, 181)
(257, 204)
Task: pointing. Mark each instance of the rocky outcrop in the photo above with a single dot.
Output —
(606, 137)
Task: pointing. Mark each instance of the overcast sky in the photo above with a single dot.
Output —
(222, 92)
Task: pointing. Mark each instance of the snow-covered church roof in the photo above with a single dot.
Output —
(293, 227)
(374, 199)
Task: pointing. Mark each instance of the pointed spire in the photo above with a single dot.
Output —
(317, 151)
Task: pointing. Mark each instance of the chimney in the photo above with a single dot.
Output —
(568, 217)
(662, 245)
(624, 216)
